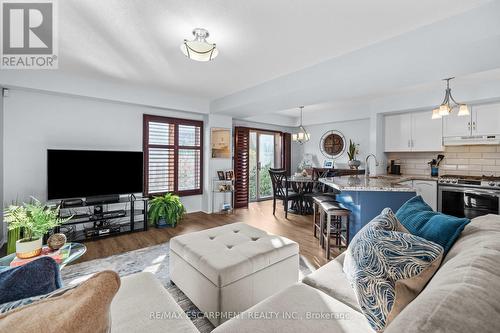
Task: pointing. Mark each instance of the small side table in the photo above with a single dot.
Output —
(76, 250)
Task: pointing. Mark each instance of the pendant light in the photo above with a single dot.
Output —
(449, 104)
(301, 136)
(199, 49)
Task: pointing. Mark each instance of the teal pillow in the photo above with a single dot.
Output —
(420, 220)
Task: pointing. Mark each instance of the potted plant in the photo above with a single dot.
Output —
(34, 220)
(166, 210)
(352, 152)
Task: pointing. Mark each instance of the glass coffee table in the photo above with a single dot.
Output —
(72, 251)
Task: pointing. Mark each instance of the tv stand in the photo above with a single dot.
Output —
(102, 199)
(96, 219)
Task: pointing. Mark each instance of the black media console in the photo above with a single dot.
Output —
(93, 219)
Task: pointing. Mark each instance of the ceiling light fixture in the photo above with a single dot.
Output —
(199, 49)
(302, 136)
(449, 104)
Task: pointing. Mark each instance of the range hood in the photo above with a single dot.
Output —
(471, 140)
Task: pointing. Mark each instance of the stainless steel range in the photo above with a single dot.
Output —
(469, 196)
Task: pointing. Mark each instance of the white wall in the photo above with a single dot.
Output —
(35, 122)
(356, 130)
(2, 228)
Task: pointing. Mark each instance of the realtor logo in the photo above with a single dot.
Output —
(28, 34)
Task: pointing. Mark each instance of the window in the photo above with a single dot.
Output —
(173, 155)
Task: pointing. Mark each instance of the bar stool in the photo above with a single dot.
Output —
(335, 226)
(317, 200)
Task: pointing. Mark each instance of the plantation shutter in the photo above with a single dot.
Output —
(172, 155)
(287, 153)
(241, 166)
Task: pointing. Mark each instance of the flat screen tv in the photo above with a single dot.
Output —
(87, 173)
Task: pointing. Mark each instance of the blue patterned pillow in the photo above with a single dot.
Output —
(388, 268)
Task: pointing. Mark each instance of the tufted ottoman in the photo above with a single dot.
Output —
(228, 269)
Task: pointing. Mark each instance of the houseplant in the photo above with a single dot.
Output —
(34, 220)
(166, 210)
(352, 152)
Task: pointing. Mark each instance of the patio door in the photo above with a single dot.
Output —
(264, 153)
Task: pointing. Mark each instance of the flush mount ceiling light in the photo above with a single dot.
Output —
(199, 49)
(449, 104)
(302, 136)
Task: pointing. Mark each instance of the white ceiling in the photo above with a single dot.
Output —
(138, 41)
(273, 54)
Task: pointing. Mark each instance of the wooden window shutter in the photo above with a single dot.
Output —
(241, 166)
(287, 153)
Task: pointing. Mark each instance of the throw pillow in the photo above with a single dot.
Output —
(38, 277)
(81, 309)
(388, 268)
(420, 220)
(25, 301)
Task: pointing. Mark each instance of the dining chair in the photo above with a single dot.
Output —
(279, 180)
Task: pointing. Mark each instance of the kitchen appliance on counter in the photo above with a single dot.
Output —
(394, 169)
(468, 196)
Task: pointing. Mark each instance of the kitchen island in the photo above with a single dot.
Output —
(366, 197)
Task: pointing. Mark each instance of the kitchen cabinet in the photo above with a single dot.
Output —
(425, 188)
(486, 119)
(427, 133)
(454, 125)
(398, 132)
(483, 120)
(410, 132)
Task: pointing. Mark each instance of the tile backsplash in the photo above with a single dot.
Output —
(459, 160)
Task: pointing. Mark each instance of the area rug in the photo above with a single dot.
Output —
(152, 259)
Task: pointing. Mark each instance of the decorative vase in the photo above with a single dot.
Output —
(56, 241)
(354, 164)
(28, 249)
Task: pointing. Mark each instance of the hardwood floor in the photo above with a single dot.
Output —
(259, 215)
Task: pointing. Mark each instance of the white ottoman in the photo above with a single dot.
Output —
(228, 269)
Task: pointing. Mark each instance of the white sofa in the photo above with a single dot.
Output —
(463, 296)
(142, 304)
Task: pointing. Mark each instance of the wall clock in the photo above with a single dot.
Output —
(332, 144)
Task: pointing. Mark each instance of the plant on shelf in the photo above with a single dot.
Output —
(166, 210)
(353, 152)
(33, 220)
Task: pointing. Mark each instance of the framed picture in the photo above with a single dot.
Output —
(327, 164)
(229, 175)
(220, 142)
(221, 176)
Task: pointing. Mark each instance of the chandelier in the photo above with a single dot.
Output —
(199, 49)
(302, 136)
(449, 104)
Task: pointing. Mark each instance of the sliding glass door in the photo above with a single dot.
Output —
(264, 153)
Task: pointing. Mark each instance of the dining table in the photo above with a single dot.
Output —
(302, 185)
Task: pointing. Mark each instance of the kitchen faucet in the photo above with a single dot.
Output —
(368, 165)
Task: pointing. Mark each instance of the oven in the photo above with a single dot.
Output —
(470, 202)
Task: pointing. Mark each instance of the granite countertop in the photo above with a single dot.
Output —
(362, 183)
(404, 178)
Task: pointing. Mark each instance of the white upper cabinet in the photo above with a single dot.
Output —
(454, 125)
(486, 119)
(483, 120)
(398, 132)
(413, 132)
(427, 133)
